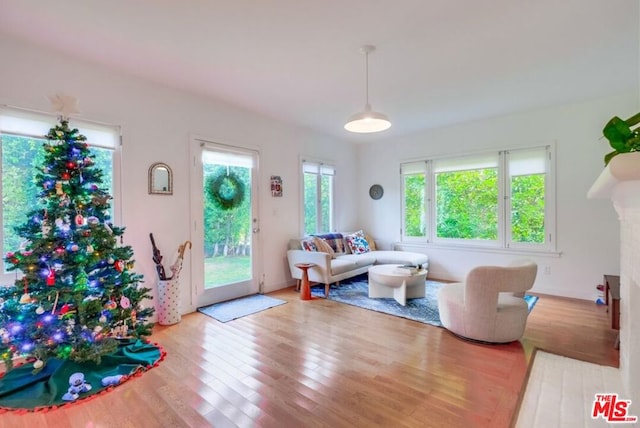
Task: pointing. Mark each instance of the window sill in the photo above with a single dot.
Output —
(479, 249)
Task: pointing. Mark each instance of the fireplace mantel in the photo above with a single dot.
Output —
(620, 182)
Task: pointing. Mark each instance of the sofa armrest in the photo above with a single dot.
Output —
(321, 260)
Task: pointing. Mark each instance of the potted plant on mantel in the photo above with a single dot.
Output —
(623, 136)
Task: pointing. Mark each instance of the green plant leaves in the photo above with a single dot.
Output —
(622, 138)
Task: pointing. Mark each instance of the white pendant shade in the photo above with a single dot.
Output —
(368, 120)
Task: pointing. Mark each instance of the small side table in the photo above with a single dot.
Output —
(305, 289)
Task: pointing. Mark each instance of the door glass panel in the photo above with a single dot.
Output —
(227, 218)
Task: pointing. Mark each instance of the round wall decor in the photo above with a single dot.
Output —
(376, 191)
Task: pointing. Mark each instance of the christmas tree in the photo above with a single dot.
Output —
(76, 293)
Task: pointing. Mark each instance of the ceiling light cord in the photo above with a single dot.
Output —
(367, 106)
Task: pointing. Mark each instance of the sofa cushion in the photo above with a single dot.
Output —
(341, 265)
(400, 257)
(335, 241)
(371, 242)
(360, 260)
(323, 246)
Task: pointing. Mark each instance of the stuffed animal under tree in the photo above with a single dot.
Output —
(76, 292)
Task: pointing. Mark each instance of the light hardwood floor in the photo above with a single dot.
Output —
(321, 363)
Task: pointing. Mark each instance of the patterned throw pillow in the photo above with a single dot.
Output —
(357, 242)
(324, 247)
(308, 244)
(335, 241)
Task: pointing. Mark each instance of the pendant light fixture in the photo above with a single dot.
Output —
(368, 120)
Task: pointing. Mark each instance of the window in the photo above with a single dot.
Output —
(317, 197)
(502, 199)
(21, 137)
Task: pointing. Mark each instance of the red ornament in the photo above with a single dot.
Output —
(71, 165)
(51, 278)
(65, 308)
(119, 265)
(79, 220)
(65, 176)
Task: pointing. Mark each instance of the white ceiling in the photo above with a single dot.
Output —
(438, 62)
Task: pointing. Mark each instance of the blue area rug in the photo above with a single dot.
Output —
(237, 308)
(355, 291)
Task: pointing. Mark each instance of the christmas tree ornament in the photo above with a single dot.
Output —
(119, 265)
(110, 305)
(77, 385)
(38, 364)
(81, 282)
(112, 380)
(125, 303)
(59, 191)
(89, 249)
(79, 220)
(64, 104)
(65, 309)
(39, 310)
(51, 277)
(25, 298)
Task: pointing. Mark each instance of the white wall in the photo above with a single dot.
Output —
(156, 125)
(587, 230)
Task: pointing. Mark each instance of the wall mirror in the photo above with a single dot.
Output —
(160, 179)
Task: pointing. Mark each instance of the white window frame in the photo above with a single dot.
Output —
(36, 124)
(320, 168)
(503, 241)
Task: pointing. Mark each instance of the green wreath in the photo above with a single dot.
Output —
(226, 190)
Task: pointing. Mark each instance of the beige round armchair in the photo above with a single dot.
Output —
(489, 306)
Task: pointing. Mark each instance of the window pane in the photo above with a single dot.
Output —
(414, 205)
(527, 208)
(20, 158)
(310, 203)
(326, 186)
(467, 204)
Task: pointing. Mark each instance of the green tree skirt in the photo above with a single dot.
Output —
(21, 390)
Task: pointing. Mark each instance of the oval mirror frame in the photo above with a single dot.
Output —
(160, 179)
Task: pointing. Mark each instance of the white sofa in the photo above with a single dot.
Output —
(344, 264)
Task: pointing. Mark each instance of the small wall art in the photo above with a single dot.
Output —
(276, 186)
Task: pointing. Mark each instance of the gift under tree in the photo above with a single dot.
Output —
(75, 293)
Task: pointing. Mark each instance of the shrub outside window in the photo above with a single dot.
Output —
(317, 192)
(502, 199)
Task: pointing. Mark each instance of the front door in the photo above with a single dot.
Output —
(225, 222)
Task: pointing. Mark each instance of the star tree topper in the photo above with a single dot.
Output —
(66, 105)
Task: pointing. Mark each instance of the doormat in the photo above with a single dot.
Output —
(238, 308)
